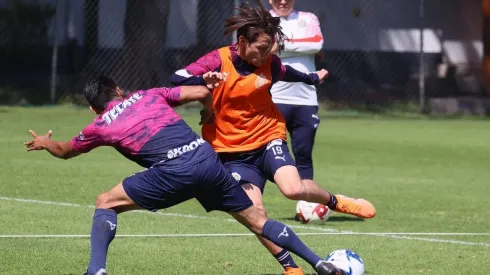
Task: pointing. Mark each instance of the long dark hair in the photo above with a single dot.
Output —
(250, 22)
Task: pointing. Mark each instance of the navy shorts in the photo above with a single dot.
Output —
(208, 181)
(259, 165)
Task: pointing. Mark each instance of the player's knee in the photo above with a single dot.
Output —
(289, 182)
(293, 191)
(103, 200)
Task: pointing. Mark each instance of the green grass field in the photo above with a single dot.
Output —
(423, 176)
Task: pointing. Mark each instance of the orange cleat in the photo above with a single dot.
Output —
(357, 207)
(293, 271)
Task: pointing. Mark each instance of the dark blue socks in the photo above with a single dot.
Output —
(285, 259)
(281, 235)
(103, 232)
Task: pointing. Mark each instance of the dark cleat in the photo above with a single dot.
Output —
(324, 268)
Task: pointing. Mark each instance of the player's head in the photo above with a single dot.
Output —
(100, 91)
(282, 8)
(257, 31)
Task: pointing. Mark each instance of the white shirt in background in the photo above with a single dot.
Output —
(304, 41)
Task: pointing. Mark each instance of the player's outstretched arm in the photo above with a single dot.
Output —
(184, 78)
(289, 74)
(59, 149)
(196, 93)
(203, 95)
(194, 73)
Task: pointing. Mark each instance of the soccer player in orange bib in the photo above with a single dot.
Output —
(246, 129)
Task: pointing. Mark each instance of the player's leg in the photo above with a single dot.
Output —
(283, 236)
(288, 112)
(289, 182)
(279, 167)
(303, 131)
(242, 167)
(282, 255)
(151, 189)
(226, 195)
(104, 225)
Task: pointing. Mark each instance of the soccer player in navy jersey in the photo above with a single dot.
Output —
(180, 165)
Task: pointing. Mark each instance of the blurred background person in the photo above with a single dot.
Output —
(298, 101)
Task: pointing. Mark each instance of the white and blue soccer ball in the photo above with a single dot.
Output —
(347, 260)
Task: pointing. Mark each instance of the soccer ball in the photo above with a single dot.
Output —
(310, 212)
(347, 260)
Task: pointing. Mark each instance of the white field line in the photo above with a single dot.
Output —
(326, 231)
(398, 235)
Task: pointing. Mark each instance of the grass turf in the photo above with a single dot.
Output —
(422, 175)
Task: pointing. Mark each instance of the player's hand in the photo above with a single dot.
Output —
(322, 74)
(38, 142)
(212, 79)
(208, 116)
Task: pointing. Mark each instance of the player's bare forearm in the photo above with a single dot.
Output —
(205, 97)
(207, 101)
(60, 149)
(208, 113)
(195, 93)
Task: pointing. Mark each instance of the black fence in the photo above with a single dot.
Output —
(48, 51)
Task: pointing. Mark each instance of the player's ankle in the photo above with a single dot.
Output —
(285, 259)
(332, 203)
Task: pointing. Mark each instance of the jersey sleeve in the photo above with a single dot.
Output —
(289, 74)
(171, 95)
(192, 73)
(277, 69)
(87, 140)
(207, 63)
(311, 43)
